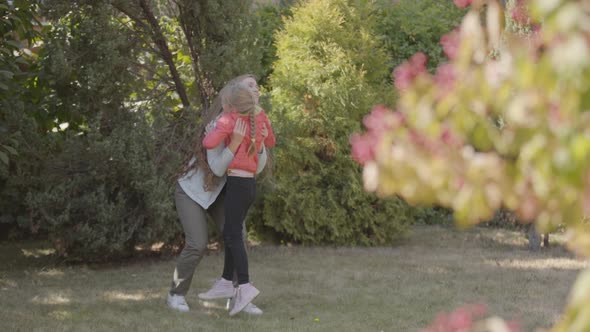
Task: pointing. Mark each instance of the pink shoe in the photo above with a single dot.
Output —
(250, 308)
(222, 289)
(244, 295)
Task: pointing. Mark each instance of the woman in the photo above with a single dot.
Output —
(199, 192)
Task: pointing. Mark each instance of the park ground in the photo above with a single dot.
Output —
(399, 288)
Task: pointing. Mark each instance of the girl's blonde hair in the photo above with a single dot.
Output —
(207, 116)
(240, 97)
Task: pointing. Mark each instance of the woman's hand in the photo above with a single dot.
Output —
(264, 133)
(237, 135)
(210, 126)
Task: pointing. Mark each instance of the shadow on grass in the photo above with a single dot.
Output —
(39, 256)
(60, 303)
(447, 236)
(34, 254)
(26, 254)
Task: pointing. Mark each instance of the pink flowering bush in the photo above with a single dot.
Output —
(503, 124)
(405, 74)
(470, 318)
(462, 3)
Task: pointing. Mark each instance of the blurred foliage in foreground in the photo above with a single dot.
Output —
(503, 124)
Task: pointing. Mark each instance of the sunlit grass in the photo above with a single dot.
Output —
(540, 264)
(37, 253)
(51, 299)
(399, 288)
(129, 296)
(51, 273)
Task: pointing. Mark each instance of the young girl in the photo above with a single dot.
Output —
(240, 103)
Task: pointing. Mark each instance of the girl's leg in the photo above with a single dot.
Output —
(194, 223)
(216, 211)
(223, 287)
(239, 196)
(218, 215)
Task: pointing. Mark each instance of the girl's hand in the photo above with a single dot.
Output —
(237, 135)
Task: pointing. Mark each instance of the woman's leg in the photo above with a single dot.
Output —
(239, 195)
(194, 223)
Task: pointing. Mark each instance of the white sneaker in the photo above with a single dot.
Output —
(244, 294)
(250, 308)
(177, 302)
(222, 289)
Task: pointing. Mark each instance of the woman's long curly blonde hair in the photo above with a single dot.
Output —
(198, 151)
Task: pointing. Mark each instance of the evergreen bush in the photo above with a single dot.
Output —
(411, 26)
(270, 21)
(330, 70)
(103, 190)
(104, 195)
(22, 145)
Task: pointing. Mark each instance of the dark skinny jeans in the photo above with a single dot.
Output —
(239, 196)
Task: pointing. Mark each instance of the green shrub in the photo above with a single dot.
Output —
(22, 176)
(411, 26)
(433, 215)
(23, 146)
(105, 188)
(104, 195)
(270, 21)
(330, 71)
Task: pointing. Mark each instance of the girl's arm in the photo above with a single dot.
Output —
(222, 130)
(220, 157)
(237, 135)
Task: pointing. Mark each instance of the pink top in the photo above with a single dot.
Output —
(223, 130)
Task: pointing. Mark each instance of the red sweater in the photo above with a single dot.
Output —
(223, 130)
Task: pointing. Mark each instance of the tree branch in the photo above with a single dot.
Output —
(158, 37)
(204, 85)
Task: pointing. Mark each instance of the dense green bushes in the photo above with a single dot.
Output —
(330, 71)
(411, 26)
(113, 131)
(100, 129)
(22, 145)
(102, 191)
(103, 194)
(270, 21)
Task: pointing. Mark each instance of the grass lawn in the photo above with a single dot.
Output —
(401, 288)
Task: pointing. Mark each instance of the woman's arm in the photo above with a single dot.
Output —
(219, 159)
(270, 141)
(262, 156)
(223, 128)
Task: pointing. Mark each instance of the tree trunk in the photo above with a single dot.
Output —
(189, 25)
(534, 237)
